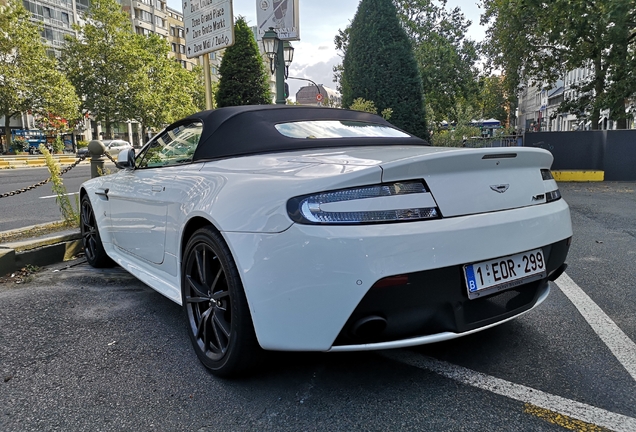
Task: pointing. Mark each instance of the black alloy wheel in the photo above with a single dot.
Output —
(92, 242)
(219, 321)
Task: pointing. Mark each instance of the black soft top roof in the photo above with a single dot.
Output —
(244, 130)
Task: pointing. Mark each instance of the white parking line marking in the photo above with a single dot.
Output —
(570, 408)
(55, 196)
(623, 348)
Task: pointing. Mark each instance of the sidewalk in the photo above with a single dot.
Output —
(28, 161)
(38, 249)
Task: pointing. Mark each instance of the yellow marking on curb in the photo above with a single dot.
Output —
(561, 420)
(578, 176)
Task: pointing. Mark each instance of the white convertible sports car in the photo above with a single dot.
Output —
(319, 229)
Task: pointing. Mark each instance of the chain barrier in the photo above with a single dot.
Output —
(43, 182)
(110, 157)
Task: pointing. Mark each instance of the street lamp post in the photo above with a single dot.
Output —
(280, 56)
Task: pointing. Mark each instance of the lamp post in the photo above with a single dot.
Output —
(280, 54)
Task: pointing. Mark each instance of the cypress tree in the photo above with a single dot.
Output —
(379, 66)
(244, 80)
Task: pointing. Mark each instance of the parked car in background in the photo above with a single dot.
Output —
(113, 147)
(318, 229)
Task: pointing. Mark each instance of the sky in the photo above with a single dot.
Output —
(315, 53)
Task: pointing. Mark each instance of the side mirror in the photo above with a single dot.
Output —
(126, 159)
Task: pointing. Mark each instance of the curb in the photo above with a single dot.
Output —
(33, 162)
(41, 251)
(579, 176)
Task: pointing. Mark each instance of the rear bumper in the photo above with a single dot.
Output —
(432, 338)
(305, 285)
(434, 303)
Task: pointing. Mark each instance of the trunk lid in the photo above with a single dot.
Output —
(469, 181)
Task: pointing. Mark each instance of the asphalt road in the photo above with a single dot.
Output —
(86, 349)
(37, 205)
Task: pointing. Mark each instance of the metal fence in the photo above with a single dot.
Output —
(500, 141)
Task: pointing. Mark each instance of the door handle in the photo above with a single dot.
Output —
(102, 192)
(158, 188)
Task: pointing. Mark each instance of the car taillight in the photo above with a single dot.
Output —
(546, 174)
(553, 195)
(382, 203)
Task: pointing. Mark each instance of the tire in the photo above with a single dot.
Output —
(92, 242)
(216, 311)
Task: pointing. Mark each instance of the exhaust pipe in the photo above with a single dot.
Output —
(368, 326)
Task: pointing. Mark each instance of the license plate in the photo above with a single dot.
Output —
(499, 274)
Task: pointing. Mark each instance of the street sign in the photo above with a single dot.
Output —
(282, 15)
(319, 97)
(209, 26)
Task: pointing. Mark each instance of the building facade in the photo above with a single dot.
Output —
(539, 105)
(176, 39)
(147, 16)
(308, 95)
(57, 18)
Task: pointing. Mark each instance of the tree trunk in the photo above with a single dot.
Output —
(95, 130)
(7, 133)
(621, 65)
(109, 129)
(618, 112)
(599, 79)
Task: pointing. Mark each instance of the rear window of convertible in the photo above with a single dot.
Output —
(318, 129)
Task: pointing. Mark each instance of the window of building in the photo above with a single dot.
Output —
(47, 33)
(35, 9)
(181, 48)
(172, 31)
(142, 31)
(46, 12)
(160, 22)
(143, 15)
(174, 47)
(180, 32)
(65, 18)
(82, 5)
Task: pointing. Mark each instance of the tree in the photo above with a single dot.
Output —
(102, 62)
(492, 99)
(379, 65)
(455, 134)
(161, 91)
(199, 93)
(368, 106)
(541, 41)
(29, 80)
(446, 58)
(244, 80)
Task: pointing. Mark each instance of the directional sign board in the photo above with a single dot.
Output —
(209, 26)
